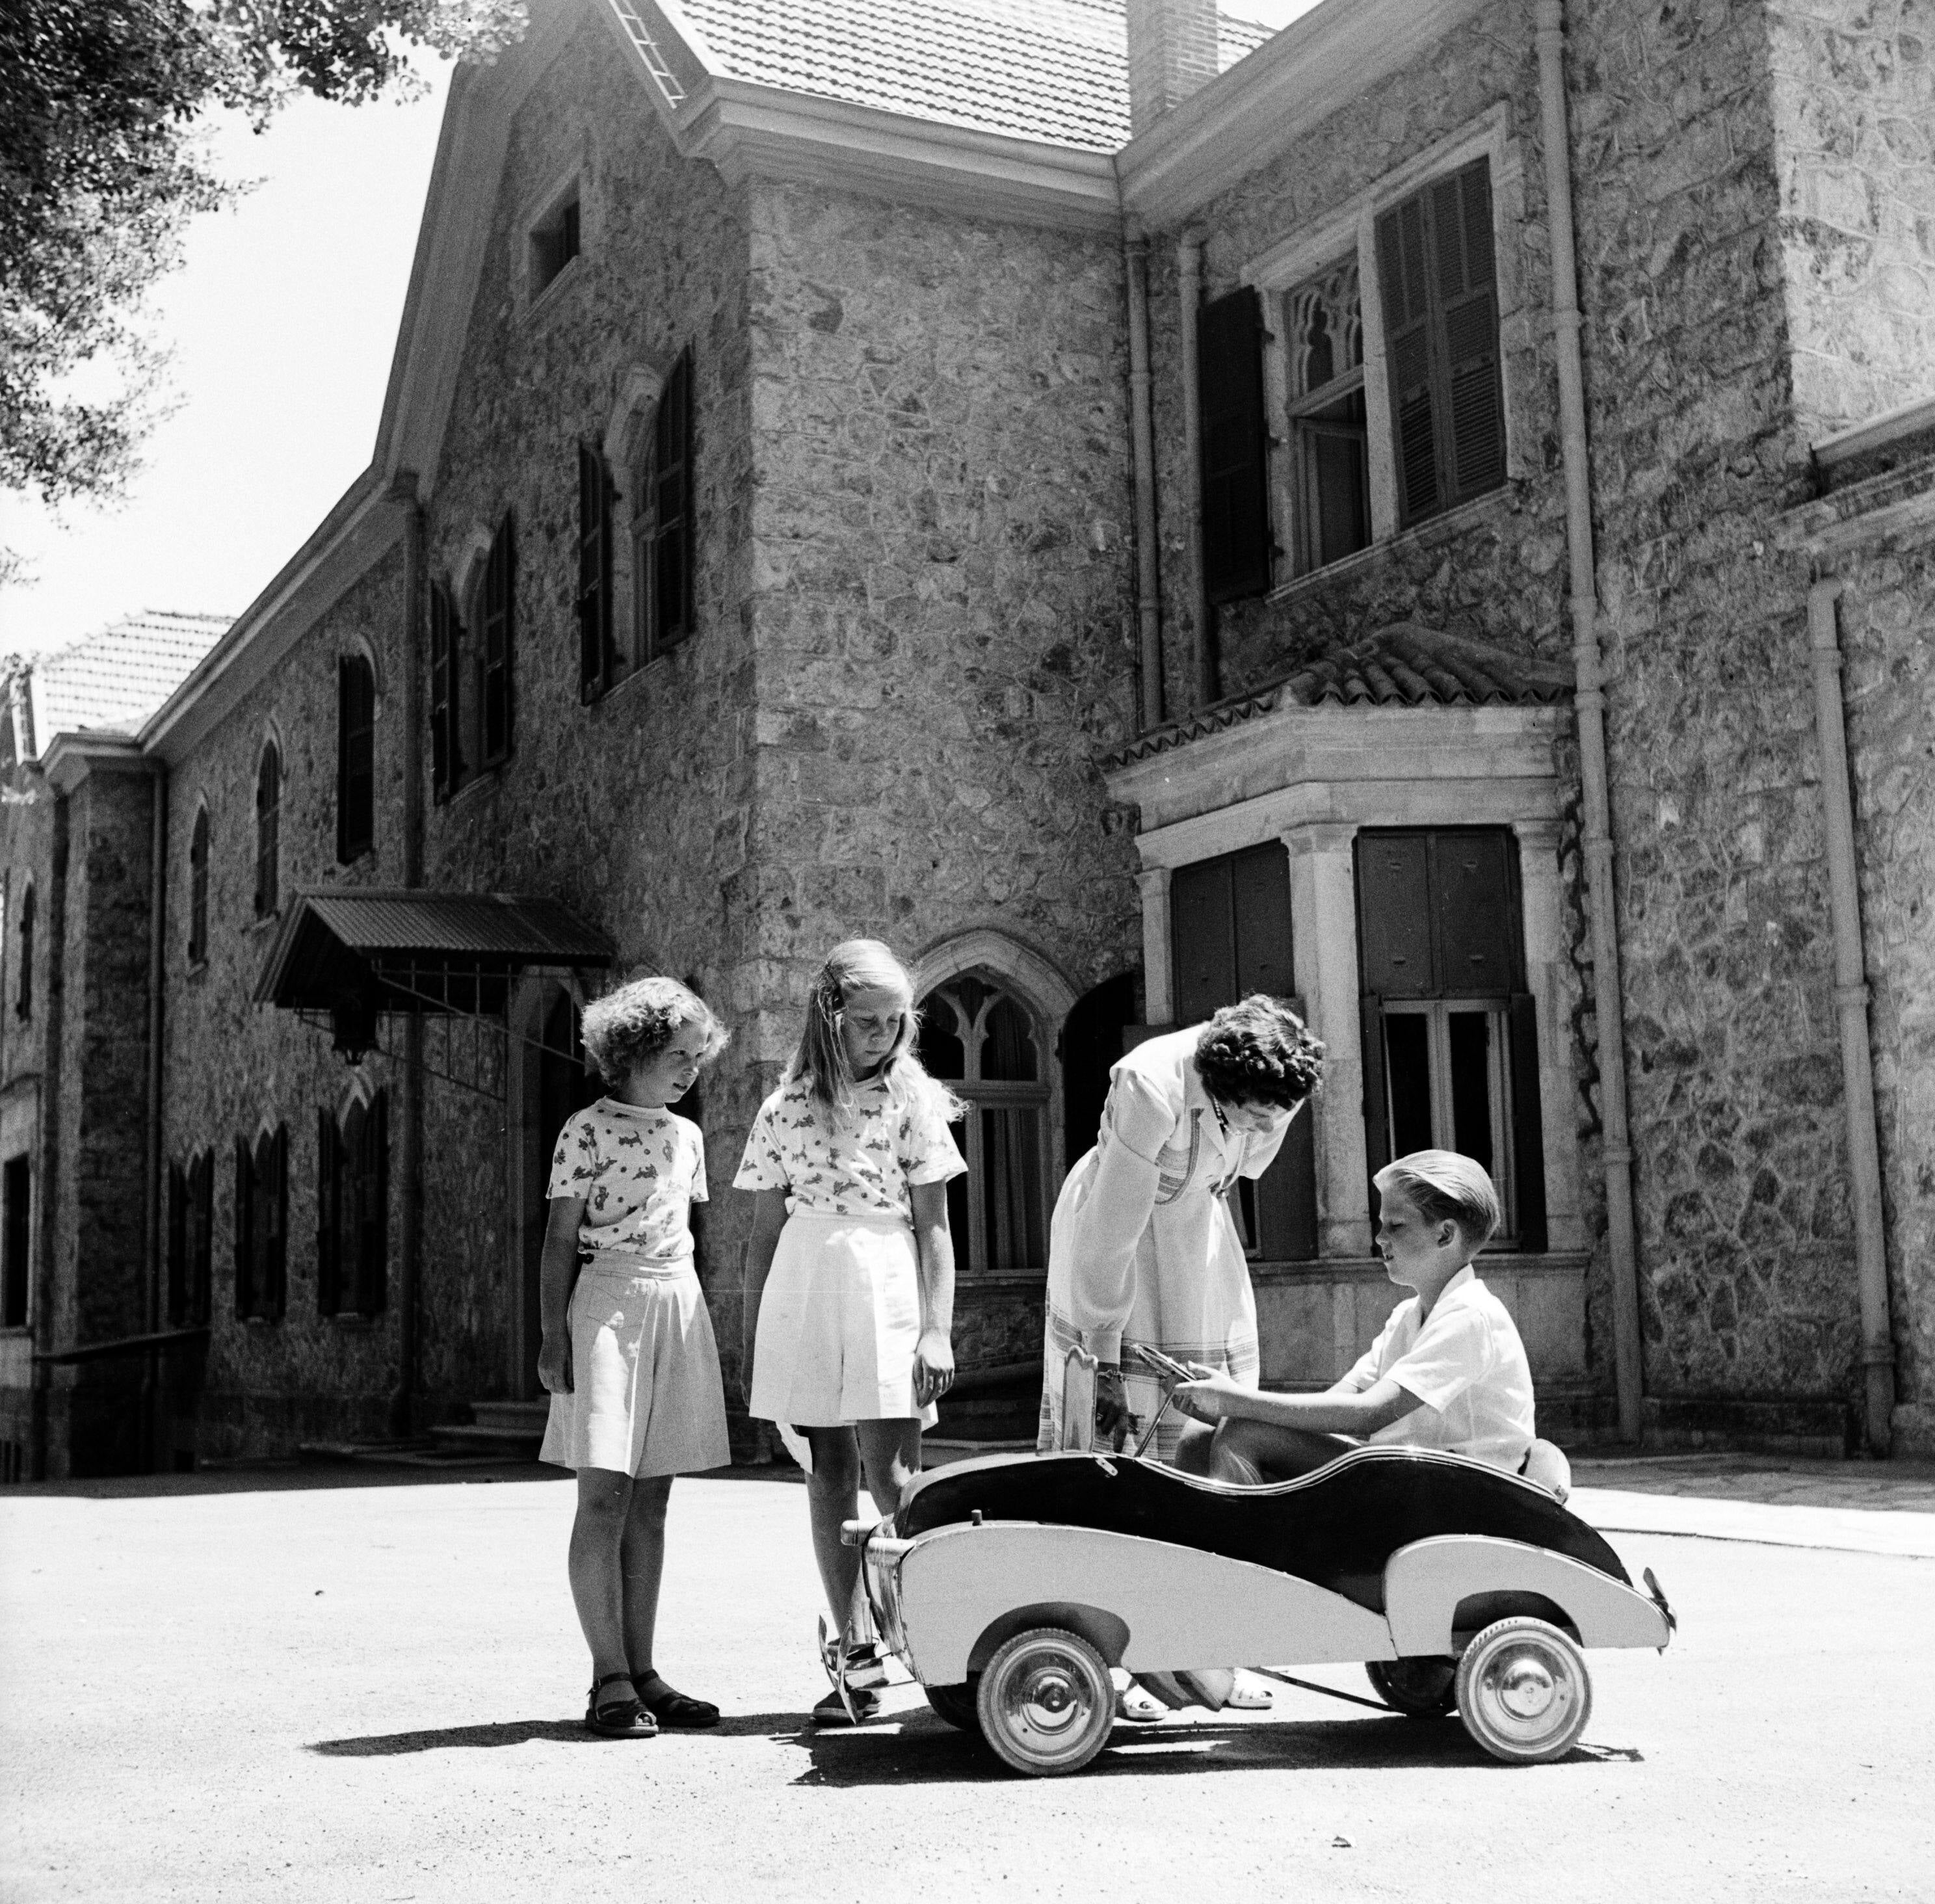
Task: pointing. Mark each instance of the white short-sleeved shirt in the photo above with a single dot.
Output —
(639, 1171)
(891, 1142)
(1464, 1362)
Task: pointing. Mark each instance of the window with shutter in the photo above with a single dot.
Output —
(1437, 277)
(1229, 925)
(356, 757)
(268, 832)
(446, 751)
(497, 647)
(1237, 545)
(1329, 434)
(245, 1230)
(197, 890)
(201, 1236)
(17, 1238)
(667, 575)
(1449, 1035)
(23, 995)
(328, 1217)
(179, 1295)
(598, 659)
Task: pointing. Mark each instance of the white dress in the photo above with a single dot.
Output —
(1143, 1247)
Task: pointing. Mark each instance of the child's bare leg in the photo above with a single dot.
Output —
(833, 1496)
(890, 1454)
(597, 1567)
(642, 1558)
(1253, 1451)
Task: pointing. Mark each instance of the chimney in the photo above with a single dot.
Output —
(1172, 52)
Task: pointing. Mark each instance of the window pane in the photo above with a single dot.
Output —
(1011, 1189)
(1471, 1040)
(937, 1047)
(1408, 1078)
(958, 1224)
(1007, 1050)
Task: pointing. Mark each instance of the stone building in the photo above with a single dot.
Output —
(1130, 508)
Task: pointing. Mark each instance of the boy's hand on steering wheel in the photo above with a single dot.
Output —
(1206, 1397)
(933, 1366)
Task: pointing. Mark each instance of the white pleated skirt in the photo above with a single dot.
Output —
(839, 1322)
(646, 1396)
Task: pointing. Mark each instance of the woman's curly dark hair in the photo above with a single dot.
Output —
(631, 1025)
(1256, 1051)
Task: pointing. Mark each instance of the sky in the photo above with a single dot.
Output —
(282, 320)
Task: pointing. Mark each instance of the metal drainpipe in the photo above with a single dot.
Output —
(158, 886)
(1589, 698)
(410, 711)
(1851, 1000)
(1202, 645)
(1149, 600)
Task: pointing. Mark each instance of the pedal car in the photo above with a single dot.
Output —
(1010, 1585)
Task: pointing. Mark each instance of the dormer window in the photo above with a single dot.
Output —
(553, 243)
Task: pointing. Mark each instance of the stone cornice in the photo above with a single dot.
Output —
(72, 756)
(1894, 502)
(1292, 82)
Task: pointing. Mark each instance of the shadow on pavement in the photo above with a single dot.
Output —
(923, 1750)
(524, 1732)
(272, 1477)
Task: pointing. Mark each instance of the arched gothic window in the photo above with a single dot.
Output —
(268, 832)
(985, 1044)
(23, 996)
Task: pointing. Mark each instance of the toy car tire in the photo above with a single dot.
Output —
(1420, 1689)
(955, 1704)
(1046, 1702)
(1523, 1692)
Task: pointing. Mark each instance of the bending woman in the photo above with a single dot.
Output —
(1143, 1247)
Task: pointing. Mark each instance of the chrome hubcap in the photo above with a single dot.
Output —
(1047, 1700)
(1526, 1688)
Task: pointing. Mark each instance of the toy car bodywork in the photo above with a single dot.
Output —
(1010, 1585)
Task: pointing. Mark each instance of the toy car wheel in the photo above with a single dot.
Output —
(1420, 1688)
(1523, 1692)
(955, 1704)
(1046, 1702)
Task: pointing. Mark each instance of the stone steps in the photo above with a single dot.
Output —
(512, 1431)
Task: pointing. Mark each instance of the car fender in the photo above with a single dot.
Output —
(1178, 1607)
(1426, 1582)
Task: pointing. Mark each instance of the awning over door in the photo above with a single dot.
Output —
(357, 953)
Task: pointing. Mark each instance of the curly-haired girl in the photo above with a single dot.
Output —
(628, 1352)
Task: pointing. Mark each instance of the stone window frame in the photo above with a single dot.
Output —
(625, 446)
(1351, 228)
(544, 288)
(1312, 779)
(1039, 987)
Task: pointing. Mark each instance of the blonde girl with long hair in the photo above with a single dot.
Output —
(849, 1290)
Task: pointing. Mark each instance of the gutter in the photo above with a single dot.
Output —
(409, 1254)
(1189, 293)
(1148, 578)
(1590, 698)
(155, 1232)
(1851, 1002)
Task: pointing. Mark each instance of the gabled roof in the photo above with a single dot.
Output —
(111, 681)
(1052, 70)
(1404, 664)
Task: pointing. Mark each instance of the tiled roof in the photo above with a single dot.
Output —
(110, 681)
(1402, 665)
(1052, 70)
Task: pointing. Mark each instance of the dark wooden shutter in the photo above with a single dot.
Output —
(201, 1236)
(1394, 917)
(245, 1230)
(443, 756)
(1404, 283)
(673, 543)
(276, 1229)
(1377, 1106)
(1202, 939)
(497, 642)
(1236, 542)
(328, 1192)
(356, 757)
(594, 574)
(1474, 913)
(373, 1210)
(179, 1296)
(1527, 1124)
(1473, 407)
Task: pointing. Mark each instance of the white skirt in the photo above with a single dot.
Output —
(839, 1322)
(646, 1397)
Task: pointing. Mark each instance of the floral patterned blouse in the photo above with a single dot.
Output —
(865, 1171)
(639, 1171)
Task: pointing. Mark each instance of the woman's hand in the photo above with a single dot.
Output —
(1211, 1397)
(554, 1365)
(933, 1366)
(1116, 1426)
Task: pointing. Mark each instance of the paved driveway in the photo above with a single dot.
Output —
(298, 1687)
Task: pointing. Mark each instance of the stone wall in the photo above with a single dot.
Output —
(1855, 106)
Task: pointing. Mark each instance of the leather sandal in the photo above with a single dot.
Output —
(674, 1708)
(832, 1710)
(619, 1718)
